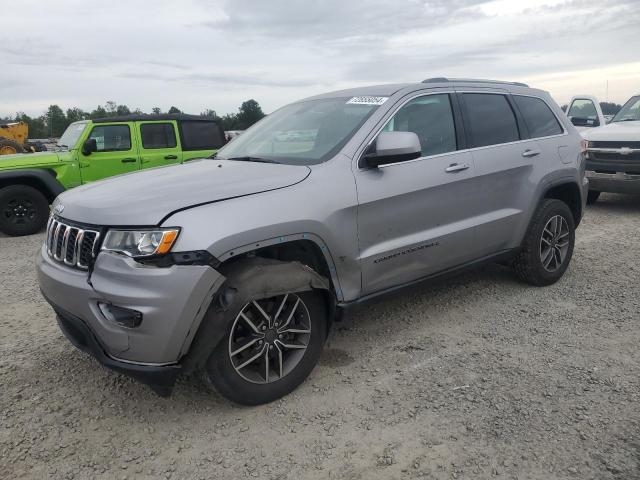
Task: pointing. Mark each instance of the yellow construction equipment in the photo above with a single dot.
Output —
(13, 139)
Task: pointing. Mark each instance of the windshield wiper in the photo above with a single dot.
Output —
(627, 120)
(251, 159)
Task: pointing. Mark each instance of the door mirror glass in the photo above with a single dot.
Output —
(392, 147)
(89, 146)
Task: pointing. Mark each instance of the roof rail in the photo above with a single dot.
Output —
(471, 80)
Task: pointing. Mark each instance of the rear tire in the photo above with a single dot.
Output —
(23, 210)
(592, 197)
(9, 147)
(250, 384)
(548, 245)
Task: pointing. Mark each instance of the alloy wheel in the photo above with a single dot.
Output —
(554, 243)
(269, 337)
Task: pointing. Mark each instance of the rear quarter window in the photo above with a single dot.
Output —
(539, 118)
(201, 135)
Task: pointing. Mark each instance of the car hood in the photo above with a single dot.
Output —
(618, 131)
(145, 198)
(27, 159)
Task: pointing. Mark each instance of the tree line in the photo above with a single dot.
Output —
(54, 121)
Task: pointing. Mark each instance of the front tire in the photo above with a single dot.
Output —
(270, 347)
(23, 210)
(548, 245)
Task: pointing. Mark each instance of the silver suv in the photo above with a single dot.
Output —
(237, 265)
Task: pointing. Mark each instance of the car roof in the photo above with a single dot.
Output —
(437, 82)
(151, 117)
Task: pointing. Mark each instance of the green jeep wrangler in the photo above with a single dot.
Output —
(91, 150)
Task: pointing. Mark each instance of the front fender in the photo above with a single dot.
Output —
(43, 178)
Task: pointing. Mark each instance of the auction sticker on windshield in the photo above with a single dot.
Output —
(368, 100)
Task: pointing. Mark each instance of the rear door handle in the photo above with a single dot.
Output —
(170, 157)
(128, 160)
(455, 167)
(530, 153)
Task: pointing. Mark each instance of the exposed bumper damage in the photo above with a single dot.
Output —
(170, 302)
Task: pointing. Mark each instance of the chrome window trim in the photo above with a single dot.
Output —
(394, 111)
(388, 117)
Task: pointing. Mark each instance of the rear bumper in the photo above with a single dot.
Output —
(160, 378)
(614, 182)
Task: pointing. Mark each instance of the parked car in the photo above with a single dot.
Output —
(585, 112)
(238, 265)
(613, 152)
(91, 150)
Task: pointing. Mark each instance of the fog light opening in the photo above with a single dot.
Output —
(125, 317)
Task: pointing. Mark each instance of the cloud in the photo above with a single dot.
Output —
(199, 54)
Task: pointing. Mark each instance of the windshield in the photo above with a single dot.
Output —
(303, 133)
(630, 111)
(72, 134)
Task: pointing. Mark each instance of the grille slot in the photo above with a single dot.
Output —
(71, 244)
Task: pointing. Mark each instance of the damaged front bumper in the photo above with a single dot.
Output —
(169, 303)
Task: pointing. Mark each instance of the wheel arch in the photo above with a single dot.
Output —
(306, 248)
(290, 276)
(568, 192)
(43, 180)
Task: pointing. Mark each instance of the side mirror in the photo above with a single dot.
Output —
(392, 147)
(90, 145)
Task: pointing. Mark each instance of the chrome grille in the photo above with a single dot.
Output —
(70, 244)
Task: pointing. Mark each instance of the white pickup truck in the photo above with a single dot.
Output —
(613, 148)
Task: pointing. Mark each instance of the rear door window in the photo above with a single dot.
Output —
(539, 118)
(490, 119)
(197, 135)
(157, 135)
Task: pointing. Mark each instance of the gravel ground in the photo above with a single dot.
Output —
(476, 377)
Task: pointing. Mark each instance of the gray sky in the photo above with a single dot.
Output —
(198, 54)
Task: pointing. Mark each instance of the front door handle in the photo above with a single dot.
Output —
(530, 153)
(455, 167)
(170, 157)
(128, 160)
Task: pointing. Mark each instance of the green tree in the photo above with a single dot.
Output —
(230, 122)
(123, 110)
(174, 110)
(249, 113)
(75, 114)
(610, 108)
(209, 113)
(99, 112)
(112, 108)
(156, 110)
(55, 121)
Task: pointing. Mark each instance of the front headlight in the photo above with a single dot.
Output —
(140, 243)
